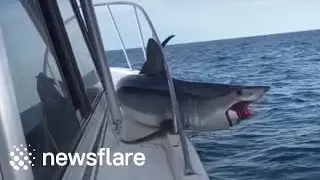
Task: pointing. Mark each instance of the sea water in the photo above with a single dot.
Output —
(281, 140)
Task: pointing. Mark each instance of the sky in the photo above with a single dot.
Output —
(204, 20)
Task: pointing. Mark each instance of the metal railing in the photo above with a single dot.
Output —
(178, 127)
(123, 47)
(136, 7)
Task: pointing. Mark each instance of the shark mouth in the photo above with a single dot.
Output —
(241, 109)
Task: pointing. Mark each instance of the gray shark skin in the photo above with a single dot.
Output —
(203, 106)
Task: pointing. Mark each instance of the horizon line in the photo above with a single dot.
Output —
(232, 38)
(243, 37)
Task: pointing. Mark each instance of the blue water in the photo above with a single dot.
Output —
(281, 140)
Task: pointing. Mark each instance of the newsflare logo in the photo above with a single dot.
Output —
(20, 158)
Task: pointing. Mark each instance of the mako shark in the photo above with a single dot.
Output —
(203, 106)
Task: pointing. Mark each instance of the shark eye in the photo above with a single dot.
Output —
(239, 92)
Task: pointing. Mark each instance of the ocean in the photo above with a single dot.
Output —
(281, 139)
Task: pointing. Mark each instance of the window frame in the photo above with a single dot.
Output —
(64, 55)
(52, 17)
(1, 174)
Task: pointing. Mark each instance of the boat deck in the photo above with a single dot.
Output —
(155, 167)
(164, 160)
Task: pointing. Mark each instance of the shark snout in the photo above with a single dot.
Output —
(265, 88)
(253, 93)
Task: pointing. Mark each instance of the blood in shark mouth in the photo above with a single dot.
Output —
(241, 108)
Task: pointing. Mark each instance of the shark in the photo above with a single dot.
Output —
(203, 106)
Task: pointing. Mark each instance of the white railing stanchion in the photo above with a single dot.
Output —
(140, 33)
(119, 36)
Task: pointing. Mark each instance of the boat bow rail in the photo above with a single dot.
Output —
(92, 28)
(108, 5)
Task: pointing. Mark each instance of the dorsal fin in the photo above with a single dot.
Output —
(164, 43)
(155, 60)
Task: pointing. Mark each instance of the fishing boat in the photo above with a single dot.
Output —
(60, 96)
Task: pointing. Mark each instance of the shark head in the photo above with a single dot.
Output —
(246, 96)
(227, 108)
(242, 98)
(203, 106)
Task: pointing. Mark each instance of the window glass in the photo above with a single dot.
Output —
(81, 51)
(48, 118)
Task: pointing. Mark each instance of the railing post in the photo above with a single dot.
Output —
(95, 37)
(178, 126)
(120, 38)
(140, 34)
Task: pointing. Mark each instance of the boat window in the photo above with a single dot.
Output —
(81, 51)
(49, 119)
